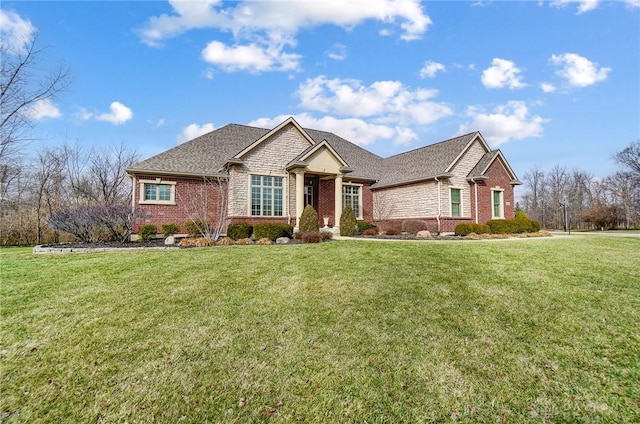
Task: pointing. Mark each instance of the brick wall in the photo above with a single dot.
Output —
(498, 179)
(192, 196)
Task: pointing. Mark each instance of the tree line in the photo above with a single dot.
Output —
(561, 198)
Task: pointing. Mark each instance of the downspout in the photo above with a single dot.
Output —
(475, 185)
(288, 191)
(439, 205)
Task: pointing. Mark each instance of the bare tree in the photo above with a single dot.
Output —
(630, 157)
(22, 87)
(48, 179)
(383, 206)
(109, 182)
(205, 203)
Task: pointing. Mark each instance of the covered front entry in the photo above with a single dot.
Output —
(318, 182)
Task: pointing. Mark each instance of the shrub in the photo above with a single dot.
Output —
(535, 226)
(373, 231)
(196, 242)
(503, 226)
(311, 237)
(348, 223)
(391, 228)
(169, 228)
(244, 241)
(272, 230)
(226, 241)
(466, 228)
(414, 226)
(263, 241)
(364, 226)
(147, 231)
(240, 230)
(94, 223)
(326, 235)
(392, 232)
(309, 220)
(195, 227)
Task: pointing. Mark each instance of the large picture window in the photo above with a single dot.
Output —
(157, 192)
(352, 196)
(266, 196)
(498, 204)
(456, 202)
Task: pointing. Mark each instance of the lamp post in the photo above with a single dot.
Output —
(563, 205)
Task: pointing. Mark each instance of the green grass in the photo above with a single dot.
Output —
(346, 331)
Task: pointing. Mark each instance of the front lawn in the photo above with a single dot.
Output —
(347, 331)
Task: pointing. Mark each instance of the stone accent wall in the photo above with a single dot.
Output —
(460, 170)
(408, 201)
(268, 158)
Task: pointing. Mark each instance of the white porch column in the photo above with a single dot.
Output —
(299, 195)
(338, 202)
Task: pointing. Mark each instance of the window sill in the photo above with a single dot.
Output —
(157, 202)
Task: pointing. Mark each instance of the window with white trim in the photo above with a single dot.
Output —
(266, 196)
(456, 201)
(497, 199)
(352, 196)
(158, 192)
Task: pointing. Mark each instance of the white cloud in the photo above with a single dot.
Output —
(583, 5)
(15, 33)
(382, 101)
(430, 69)
(338, 52)
(356, 130)
(547, 87)
(43, 109)
(263, 28)
(508, 122)
(250, 57)
(502, 73)
(119, 114)
(579, 71)
(194, 130)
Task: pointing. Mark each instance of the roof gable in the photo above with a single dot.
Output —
(483, 165)
(269, 134)
(477, 138)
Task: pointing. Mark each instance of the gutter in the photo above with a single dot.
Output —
(439, 205)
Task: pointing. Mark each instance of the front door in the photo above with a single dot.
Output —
(311, 191)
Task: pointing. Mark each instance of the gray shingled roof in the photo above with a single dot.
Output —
(482, 164)
(207, 154)
(423, 163)
(204, 155)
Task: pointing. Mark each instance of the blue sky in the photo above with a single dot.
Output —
(547, 82)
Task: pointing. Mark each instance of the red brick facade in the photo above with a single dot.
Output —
(498, 179)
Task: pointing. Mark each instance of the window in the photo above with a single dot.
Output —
(456, 204)
(498, 209)
(158, 192)
(351, 196)
(266, 196)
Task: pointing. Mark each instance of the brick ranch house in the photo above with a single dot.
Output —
(248, 174)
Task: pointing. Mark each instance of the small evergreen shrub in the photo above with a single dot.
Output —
(373, 231)
(348, 223)
(195, 227)
(170, 228)
(466, 228)
(312, 237)
(147, 231)
(240, 230)
(503, 226)
(272, 230)
(535, 226)
(364, 226)
(412, 226)
(309, 220)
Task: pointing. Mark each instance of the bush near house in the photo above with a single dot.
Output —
(309, 220)
(364, 226)
(348, 223)
(466, 228)
(195, 227)
(240, 230)
(170, 228)
(147, 231)
(413, 226)
(272, 230)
